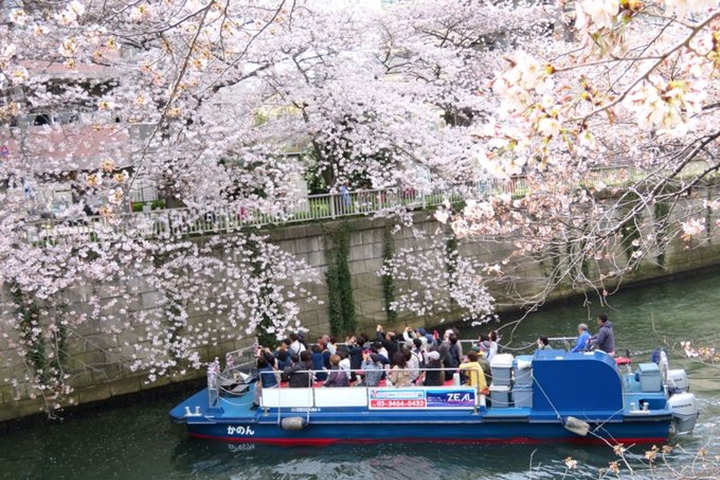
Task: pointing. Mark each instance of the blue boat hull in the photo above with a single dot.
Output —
(236, 422)
(505, 433)
(575, 398)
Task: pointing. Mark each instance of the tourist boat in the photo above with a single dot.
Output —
(550, 396)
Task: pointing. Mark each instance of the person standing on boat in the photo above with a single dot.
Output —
(604, 339)
(493, 337)
(267, 373)
(296, 347)
(372, 369)
(582, 340)
(388, 340)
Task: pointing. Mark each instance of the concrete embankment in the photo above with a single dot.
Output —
(97, 360)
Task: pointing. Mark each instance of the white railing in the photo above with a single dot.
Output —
(328, 206)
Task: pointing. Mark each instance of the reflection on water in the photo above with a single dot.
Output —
(138, 442)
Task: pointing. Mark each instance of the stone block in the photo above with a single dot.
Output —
(150, 300)
(89, 359)
(373, 265)
(316, 259)
(311, 244)
(362, 252)
(93, 393)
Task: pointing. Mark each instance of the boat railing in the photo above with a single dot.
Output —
(386, 371)
(239, 371)
(382, 396)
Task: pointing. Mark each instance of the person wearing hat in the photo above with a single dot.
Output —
(434, 376)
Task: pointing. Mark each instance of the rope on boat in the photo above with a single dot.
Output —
(570, 423)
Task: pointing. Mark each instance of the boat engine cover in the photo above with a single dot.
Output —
(685, 411)
(678, 380)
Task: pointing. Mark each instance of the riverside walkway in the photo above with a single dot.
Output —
(331, 206)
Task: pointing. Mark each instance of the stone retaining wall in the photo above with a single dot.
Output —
(96, 354)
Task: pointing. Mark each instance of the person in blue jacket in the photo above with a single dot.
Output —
(582, 340)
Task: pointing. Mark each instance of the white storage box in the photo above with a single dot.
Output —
(501, 369)
(522, 368)
(499, 396)
(650, 378)
(522, 397)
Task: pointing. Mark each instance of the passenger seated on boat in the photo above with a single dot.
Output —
(373, 369)
(434, 376)
(543, 342)
(299, 374)
(474, 372)
(338, 377)
(399, 375)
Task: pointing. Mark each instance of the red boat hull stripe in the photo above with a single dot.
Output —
(515, 440)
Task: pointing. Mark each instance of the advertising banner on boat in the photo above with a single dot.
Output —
(422, 399)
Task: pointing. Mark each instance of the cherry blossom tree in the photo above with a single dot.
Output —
(637, 89)
(206, 98)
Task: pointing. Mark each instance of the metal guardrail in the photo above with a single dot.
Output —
(328, 206)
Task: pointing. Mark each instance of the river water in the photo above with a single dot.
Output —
(138, 441)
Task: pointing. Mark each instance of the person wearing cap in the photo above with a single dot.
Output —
(604, 339)
(434, 376)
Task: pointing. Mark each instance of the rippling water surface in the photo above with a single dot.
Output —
(138, 441)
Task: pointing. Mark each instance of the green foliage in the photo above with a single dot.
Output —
(317, 208)
(154, 205)
(316, 183)
(451, 255)
(48, 366)
(157, 204)
(29, 312)
(629, 230)
(662, 212)
(388, 281)
(708, 214)
(341, 306)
